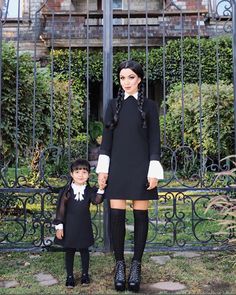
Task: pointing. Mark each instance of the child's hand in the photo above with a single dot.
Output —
(102, 186)
(59, 233)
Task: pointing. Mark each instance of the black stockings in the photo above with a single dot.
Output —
(118, 232)
(69, 260)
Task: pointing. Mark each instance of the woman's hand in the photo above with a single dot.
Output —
(153, 182)
(59, 233)
(102, 180)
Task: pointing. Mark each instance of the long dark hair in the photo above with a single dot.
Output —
(138, 70)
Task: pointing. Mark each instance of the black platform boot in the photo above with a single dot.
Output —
(119, 278)
(134, 276)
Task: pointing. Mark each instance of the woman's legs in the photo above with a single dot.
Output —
(140, 211)
(118, 239)
(118, 227)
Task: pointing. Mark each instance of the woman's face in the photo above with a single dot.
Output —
(129, 81)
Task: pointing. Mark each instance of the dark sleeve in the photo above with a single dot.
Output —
(61, 207)
(153, 132)
(95, 197)
(107, 136)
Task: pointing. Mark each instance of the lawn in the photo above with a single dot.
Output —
(210, 273)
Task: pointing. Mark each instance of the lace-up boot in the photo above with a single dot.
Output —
(70, 282)
(119, 278)
(134, 276)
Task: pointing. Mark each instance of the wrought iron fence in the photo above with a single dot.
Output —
(34, 167)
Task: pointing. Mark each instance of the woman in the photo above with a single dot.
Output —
(129, 164)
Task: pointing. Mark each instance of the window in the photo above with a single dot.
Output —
(117, 4)
(10, 8)
(221, 7)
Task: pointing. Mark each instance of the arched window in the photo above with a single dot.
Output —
(221, 7)
(10, 8)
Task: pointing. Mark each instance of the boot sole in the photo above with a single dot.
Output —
(120, 288)
(134, 288)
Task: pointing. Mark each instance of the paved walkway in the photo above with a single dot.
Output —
(46, 279)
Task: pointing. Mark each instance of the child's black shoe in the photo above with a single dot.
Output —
(85, 280)
(70, 282)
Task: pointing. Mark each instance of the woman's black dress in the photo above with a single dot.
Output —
(130, 148)
(75, 217)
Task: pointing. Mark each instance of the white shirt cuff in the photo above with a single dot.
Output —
(100, 191)
(59, 226)
(103, 164)
(155, 170)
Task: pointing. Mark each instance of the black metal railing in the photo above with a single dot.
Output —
(32, 173)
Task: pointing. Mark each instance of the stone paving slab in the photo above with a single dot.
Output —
(166, 286)
(187, 254)
(9, 284)
(161, 259)
(45, 279)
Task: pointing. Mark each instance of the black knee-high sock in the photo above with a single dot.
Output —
(118, 232)
(140, 232)
(69, 261)
(84, 254)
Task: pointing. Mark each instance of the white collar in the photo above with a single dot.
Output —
(78, 191)
(135, 95)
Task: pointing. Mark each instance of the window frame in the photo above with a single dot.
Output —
(12, 12)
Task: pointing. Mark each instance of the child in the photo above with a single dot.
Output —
(73, 220)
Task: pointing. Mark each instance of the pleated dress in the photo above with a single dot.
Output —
(130, 148)
(75, 217)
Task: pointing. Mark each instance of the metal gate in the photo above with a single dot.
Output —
(46, 112)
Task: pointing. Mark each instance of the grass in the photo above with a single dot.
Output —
(211, 273)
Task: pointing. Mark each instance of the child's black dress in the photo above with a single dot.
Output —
(131, 148)
(75, 217)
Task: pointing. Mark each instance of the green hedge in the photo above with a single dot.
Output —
(77, 76)
(195, 52)
(209, 108)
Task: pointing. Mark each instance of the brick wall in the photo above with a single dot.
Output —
(78, 29)
(189, 4)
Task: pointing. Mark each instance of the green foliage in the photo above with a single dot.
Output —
(53, 92)
(95, 130)
(209, 108)
(195, 52)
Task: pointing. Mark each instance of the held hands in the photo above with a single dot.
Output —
(153, 182)
(102, 180)
(59, 233)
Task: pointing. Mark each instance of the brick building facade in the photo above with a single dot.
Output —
(53, 22)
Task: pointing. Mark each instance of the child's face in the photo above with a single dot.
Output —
(129, 81)
(80, 176)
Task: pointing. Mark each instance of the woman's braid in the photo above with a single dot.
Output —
(140, 105)
(119, 100)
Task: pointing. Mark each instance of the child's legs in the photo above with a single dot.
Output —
(69, 260)
(84, 254)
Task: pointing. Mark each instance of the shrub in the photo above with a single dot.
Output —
(209, 119)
